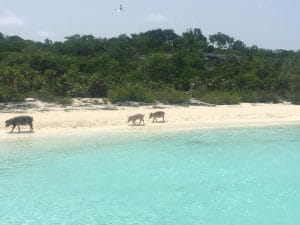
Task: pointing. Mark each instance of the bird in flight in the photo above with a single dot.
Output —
(120, 9)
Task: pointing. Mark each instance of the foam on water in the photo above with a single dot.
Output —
(210, 177)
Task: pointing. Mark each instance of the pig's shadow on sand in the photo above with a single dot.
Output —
(136, 125)
(21, 132)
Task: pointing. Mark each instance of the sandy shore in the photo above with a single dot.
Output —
(76, 119)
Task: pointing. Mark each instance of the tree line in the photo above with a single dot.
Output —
(157, 65)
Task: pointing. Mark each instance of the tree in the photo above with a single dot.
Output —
(193, 40)
(222, 41)
(159, 68)
(151, 61)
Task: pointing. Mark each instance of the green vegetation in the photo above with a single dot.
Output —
(131, 92)
(172, 96)
(219, 97)
(138, 93)
(157, 65)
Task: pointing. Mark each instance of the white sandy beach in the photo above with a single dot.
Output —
(53, 119)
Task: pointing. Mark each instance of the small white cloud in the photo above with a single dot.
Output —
(9, 19)
(44, 33)
(156, 18)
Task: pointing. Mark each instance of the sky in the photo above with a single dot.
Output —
(271, 24)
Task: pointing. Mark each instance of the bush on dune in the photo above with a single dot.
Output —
(172, 96)
(130, 92)
(48, 97)
(259, 96)
(139, 93)
(218, 97)
(10, 95)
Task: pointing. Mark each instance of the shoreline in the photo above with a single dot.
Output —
(69, 133)
(61, 122)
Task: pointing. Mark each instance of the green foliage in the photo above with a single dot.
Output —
(259, 96)
(131, 92)
(48, 97)
(139, 93)
(219, 97)
(154, 65)
(249, 81)
(223, 41)
(172, 96)
(295, 89)
(10, 95)
(63, 100)
(296, 97)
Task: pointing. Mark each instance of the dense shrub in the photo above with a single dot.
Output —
(296, 97)
(259, 96)
(10, 95)
(221, 98)
(140, 93)
(47, 97)
(295, 83)
(139, 67)
(131, 92)
(172, 96)
(63, 100)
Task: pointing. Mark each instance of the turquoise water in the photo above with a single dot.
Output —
(237, 176)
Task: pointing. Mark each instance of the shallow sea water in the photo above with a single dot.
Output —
(233, 176)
